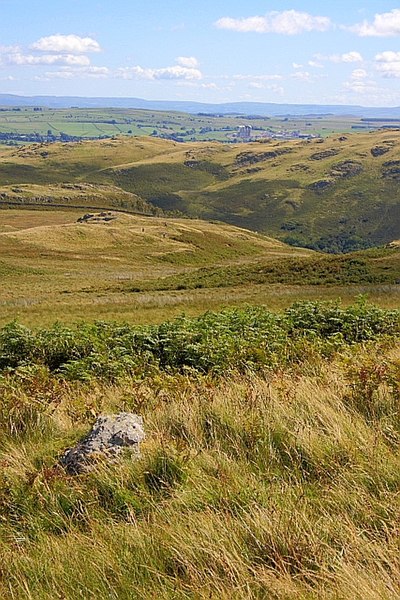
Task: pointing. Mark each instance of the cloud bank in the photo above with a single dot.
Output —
(288, 22)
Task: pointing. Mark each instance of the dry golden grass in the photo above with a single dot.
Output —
(281, 487)
(53, 268)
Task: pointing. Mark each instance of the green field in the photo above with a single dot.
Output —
(94, 123)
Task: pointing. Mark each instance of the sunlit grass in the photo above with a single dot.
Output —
(279, 486)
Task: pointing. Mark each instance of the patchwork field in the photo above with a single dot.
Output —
(24, 123)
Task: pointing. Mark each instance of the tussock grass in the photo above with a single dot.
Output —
(277, 484)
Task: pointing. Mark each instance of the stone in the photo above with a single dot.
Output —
(109, 437)
(324, 154)
(321, 185)
(391, 169)
(345, 169)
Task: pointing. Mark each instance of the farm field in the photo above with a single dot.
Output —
(97, 123)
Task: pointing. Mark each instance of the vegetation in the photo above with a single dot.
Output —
(338, 194)
(213, 342)
(147, 269)
(270, 468)
(377, 266)
(271, 463)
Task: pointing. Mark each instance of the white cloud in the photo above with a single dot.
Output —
(359, 87)
(197, 85)
(346, 57)
(21, 59)
(241, 77)
(259, 85)
(9, 49)
(383, 25)
(350, 57)
(359, 74)
(209, 86)
(315, 64)
(297, 66)
(388, 64)
(189, 62)
(174, 72)
(77, 73)
(72, 44)
(302, 75)
(363, 86)
(288, 22)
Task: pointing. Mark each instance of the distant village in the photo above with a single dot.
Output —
(246, 133)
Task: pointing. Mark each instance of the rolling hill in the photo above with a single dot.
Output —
(261, 108)
(70, 265)
(338, 194)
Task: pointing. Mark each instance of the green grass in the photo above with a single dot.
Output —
(371, 267)
(112, 121)
(146, 269)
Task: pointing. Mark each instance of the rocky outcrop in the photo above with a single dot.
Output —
(97, 218)
(383, 148)
(321, 185)
(391, 169)
(324, 154)
(251, 158)
(109, 437)
(346, 168)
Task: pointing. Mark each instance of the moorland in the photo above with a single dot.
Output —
(335, 194)
(243, 299)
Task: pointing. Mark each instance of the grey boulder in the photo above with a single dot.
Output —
(109, 437)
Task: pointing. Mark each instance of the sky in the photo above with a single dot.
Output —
(299, 51)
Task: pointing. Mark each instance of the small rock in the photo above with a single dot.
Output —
(345, 169)
(324, 154)
(321, 185)
(110, 435)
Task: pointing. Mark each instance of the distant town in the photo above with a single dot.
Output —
(26, 125)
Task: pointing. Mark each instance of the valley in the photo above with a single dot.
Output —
(336, 195)
(152, 277)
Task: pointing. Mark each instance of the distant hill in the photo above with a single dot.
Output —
(337, 195)
(246, 108)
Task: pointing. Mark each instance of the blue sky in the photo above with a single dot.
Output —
(300, 51)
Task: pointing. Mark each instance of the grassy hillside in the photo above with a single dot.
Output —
(270, 467)
(54, 265)
(337, 194)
